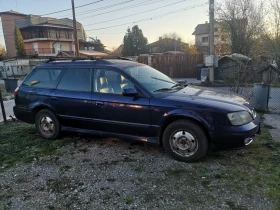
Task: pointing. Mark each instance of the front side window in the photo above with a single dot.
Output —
(76, 80)
(44, 78)
(109, 81)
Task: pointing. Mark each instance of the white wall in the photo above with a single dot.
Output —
(18, 67)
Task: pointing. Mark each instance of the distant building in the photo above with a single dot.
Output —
(201, 33)
(44, 36)
(164, 45)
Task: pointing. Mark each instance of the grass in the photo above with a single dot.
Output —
(259, 169)
(19, 143)
(129, 201)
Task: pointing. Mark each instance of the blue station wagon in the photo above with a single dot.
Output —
(129, 100)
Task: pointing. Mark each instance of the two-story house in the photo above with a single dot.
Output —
(44, 36)
(201, 33)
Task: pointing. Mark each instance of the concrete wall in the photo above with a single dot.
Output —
(18, 67)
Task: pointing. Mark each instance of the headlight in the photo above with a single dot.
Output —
(240, 118)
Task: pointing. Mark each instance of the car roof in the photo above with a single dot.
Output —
(117, 63)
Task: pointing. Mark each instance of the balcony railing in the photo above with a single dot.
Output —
(40, 51)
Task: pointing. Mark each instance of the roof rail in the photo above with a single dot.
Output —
(69, 58)
(81, 59)
(116, 57)
(73, 59)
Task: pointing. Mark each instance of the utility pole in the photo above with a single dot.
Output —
(211, 38)
(75, 30)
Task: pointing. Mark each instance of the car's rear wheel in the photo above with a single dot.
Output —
(185, 140)
(47, 124)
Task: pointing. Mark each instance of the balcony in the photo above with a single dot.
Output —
(41, 52)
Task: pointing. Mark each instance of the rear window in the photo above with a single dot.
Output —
(44, 78)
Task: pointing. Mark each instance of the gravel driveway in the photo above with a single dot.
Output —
(96, 173)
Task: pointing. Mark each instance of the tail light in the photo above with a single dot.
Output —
(16, 91)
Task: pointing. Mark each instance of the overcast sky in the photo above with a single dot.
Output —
(109, 19)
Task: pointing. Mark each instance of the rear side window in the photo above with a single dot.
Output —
(76, 80)
(44, 78)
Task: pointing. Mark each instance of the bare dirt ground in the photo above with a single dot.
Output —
(90, 172)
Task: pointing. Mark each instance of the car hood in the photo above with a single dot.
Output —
(210, 97)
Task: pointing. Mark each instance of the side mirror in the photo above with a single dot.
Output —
(129, 92)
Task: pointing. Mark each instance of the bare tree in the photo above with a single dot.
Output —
(242, 24)
(271, 39)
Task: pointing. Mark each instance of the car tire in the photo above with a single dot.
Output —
(47, 124)
(185, 140)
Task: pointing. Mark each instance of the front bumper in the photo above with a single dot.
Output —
(226, 137)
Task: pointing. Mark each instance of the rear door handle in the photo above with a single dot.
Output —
(54, 98)
(32, 92)
(98, 103)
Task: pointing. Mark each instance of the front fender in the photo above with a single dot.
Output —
(191, 114)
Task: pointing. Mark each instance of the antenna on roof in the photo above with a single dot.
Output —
(16, 6)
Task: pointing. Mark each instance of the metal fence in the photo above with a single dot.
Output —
(10, 77)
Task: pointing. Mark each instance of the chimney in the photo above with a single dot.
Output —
(206, 22)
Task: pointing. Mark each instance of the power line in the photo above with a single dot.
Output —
(135, 13)
(128, 7)
(151, 18)
(145, 19)
(71, 8)
(97, 9)
(123, 8)
(59, 11)
(158, 24)
(101, 8)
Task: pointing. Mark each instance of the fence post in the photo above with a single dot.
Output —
(3, 108)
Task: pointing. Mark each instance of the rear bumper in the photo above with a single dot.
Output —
(24, 115)
(226, 137)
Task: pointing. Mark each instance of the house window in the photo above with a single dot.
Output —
(59, 47)
(204, 39)
(35, 47)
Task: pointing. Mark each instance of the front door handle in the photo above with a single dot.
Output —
(54, 98)
(98, 103)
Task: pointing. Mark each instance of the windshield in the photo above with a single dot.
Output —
(153, 80)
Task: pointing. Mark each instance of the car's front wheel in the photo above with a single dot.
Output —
(185, 140)
(47, 124)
